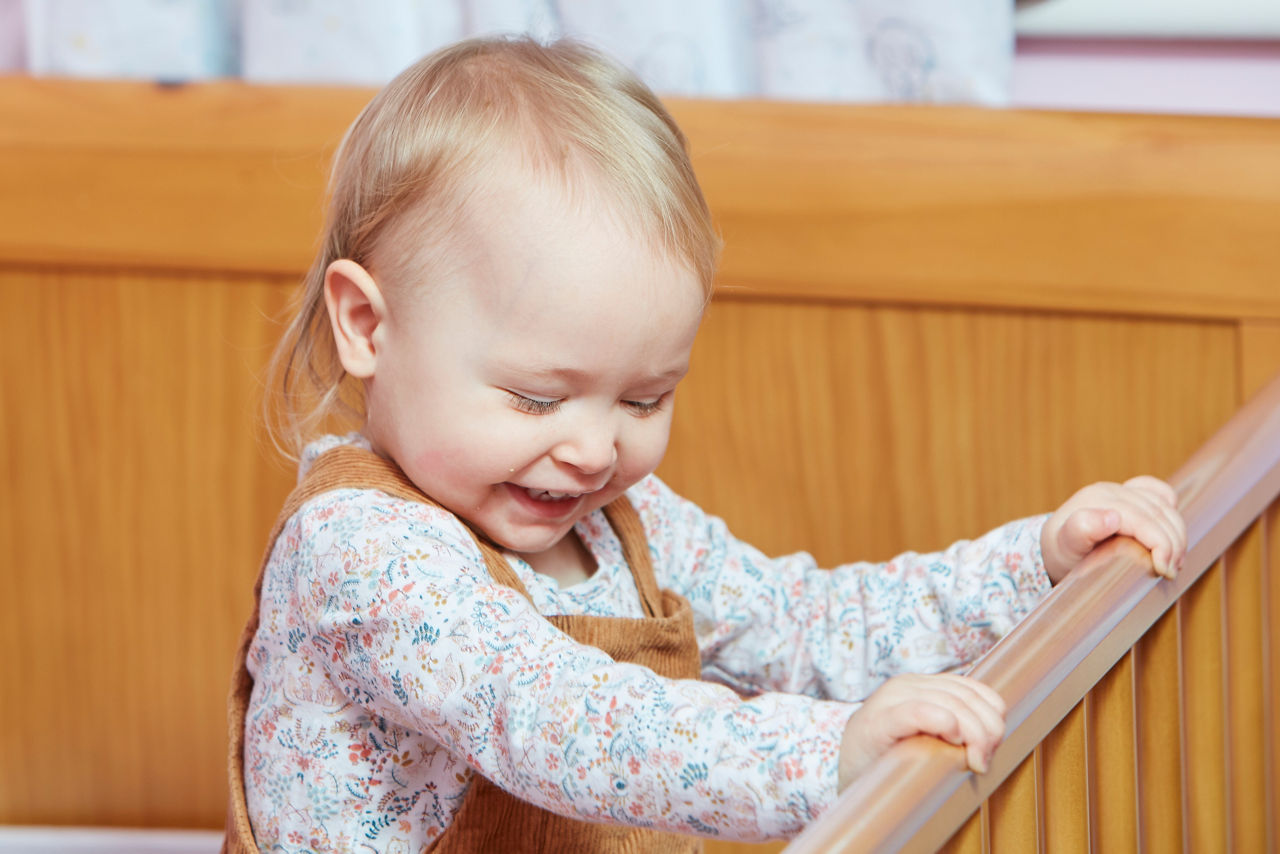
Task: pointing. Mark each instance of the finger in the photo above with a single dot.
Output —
(1167, 506)
(1148, 515)
(951, 718)
(1159, 527)
(1156, 486)
(1085, 528)
(978, 760)
(967, 729)
(981, 699)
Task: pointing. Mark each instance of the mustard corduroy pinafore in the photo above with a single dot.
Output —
(489, 818)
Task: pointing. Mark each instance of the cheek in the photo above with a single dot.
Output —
(646, 449)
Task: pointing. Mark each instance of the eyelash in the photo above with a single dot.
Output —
(535, 406)
(645, 408)
(532, 405)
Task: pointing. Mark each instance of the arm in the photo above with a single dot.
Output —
(785, 624)
(409, 626)
(967, 712)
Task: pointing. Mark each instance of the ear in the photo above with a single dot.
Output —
(356, 308)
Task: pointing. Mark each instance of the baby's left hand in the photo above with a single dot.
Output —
(1144, 508)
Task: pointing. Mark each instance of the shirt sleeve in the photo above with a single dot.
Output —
(784, 624)
(398, 605)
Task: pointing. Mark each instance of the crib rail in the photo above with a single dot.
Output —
(1142, 712)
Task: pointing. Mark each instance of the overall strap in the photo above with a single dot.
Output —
(347, 466)
(350, 467)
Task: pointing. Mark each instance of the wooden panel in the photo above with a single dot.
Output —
(1015, 811)
(1033, 210)
(142, 502)
(1066, 798)
(888, 429)
(217, 176)
(1112, 758)
(271, 232)
(970, 838)
(1205, 806)
(1271, 671)
(1246, 715)
(1259, 355)
(1157, 681)
(937, 205)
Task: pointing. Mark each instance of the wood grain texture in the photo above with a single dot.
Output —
(890, 428)
(937, 205)
(1259, 355)
(1269, 529)
(917, 794)
(1109, 719)
(1157, 681)
(141, 500)
(1016, 810)
(1244, 606)
(1204, 741)
(970, 838)
(1027, 210)
(1066, 780)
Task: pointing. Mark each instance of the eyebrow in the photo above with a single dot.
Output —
(574, 375)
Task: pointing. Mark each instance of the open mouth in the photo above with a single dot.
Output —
(547, 503)
(548, 495)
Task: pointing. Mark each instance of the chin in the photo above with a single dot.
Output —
(527, 542)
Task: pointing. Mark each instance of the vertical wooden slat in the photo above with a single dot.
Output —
(1112, 760)
(968, 839)
(1259, 359)
(1271, 670)
(1066, 800)
(1014, 809)
(1247, 783)
(1205, 810)
(1157, 677)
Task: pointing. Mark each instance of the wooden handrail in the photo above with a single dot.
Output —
(919, 793)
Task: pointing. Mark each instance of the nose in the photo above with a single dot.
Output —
(590, 445)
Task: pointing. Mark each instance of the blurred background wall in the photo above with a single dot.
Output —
(932, 50)
(1181, 56)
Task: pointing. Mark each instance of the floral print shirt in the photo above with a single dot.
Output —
(389, 668)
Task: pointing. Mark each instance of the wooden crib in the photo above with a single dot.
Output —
(929, 321)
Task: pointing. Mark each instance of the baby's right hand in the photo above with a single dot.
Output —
(954, 708)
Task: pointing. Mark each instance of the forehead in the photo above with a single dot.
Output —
(554, 276)
(505, 172)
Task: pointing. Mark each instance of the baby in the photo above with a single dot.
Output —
(484, 624)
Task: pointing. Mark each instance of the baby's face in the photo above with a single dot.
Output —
(532, 380)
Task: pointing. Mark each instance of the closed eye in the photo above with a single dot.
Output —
(532, 405)
(645, 408)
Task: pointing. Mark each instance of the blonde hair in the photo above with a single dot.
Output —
(417, 148)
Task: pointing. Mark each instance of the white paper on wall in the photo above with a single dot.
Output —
(884, 50)
(677, 47)
(13, 41)
(537, 18)
(834, 50)
(149, 39)
(336, 41)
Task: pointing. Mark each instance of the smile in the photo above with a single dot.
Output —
(549, 495)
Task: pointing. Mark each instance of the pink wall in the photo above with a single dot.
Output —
(1225, 78)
